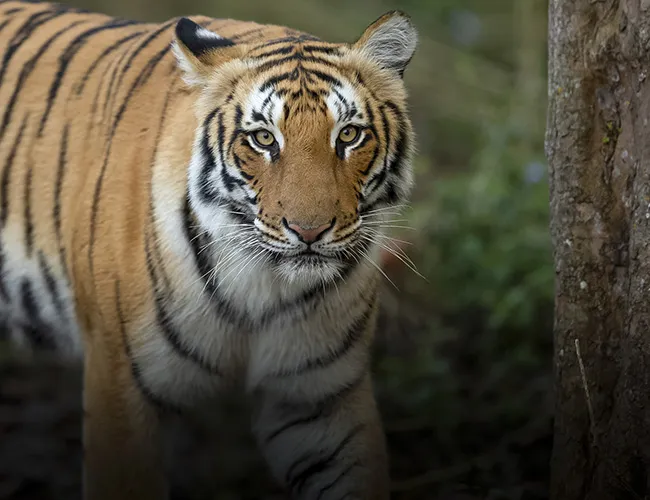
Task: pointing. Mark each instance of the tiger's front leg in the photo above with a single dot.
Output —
(331, 447)
(122, 449)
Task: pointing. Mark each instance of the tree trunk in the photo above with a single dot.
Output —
(598, 146)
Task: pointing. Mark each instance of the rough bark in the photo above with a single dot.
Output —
(598, 146)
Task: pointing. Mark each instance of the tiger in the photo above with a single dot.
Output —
(198, 205)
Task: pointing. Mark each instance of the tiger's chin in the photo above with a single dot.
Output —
(310, 269)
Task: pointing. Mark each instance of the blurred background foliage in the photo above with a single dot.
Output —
(464, 355)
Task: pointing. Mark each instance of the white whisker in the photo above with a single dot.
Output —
(365, 255)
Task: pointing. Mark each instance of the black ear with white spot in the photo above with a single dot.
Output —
(198, 40)
(390, 41)
(198, 49)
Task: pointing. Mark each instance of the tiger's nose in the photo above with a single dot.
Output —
(308, 234)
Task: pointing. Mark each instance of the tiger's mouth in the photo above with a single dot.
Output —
(307, 256)
(311, 266)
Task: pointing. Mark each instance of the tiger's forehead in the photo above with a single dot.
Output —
(272, 106)
(295, 79)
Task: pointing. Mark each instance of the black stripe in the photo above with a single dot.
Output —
(286, 110)
(314, 94)
(364, 141)
(316, 60)
(291, 39)
(39, 337)
(338, 103)
(108, 50)
(297, 482)
(27, 214)
(249, 177)
(4, 24)
(274, 80)
(140, 80)
(401, 144)
(379, 177)
(4, 293)
(207, 190)
(394, 169)
(239, 113)
(319, 410)
(18, 38)
(26, 71)
(321, 49)
(15, 10)
(114, 71)
(300, 58)
(6, 174)
(152, 224)
(307, 419)
(64, 61)
(353, 335)
(340, 476)
(348, 107)
(277, 41)
(145, 43)
(246, 143)
(225, 309)
(387, 135)
(161, 124)
(50, 3)
(266, 101)
(281, 51)
(229, 182)
(58, 188)
(168, 329)
(157, 401)
(151, 66)
(37, 331)
(259, 117)
(50, 282)
(155, 257)
(375, 154)
(244, 34)
(332, 80)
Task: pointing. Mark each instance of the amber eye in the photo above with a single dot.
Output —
(264, 138)
(348, 134)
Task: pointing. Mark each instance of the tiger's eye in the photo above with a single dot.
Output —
(264, 138)
(348, 134)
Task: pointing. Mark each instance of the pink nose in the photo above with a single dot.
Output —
(309, 234)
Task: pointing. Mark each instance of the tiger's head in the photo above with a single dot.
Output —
(302, 145)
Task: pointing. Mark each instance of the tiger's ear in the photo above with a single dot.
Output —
(198, 51)
(390, 41)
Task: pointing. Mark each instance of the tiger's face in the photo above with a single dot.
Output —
(302, 144)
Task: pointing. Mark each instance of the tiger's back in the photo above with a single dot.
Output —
(75, 104)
